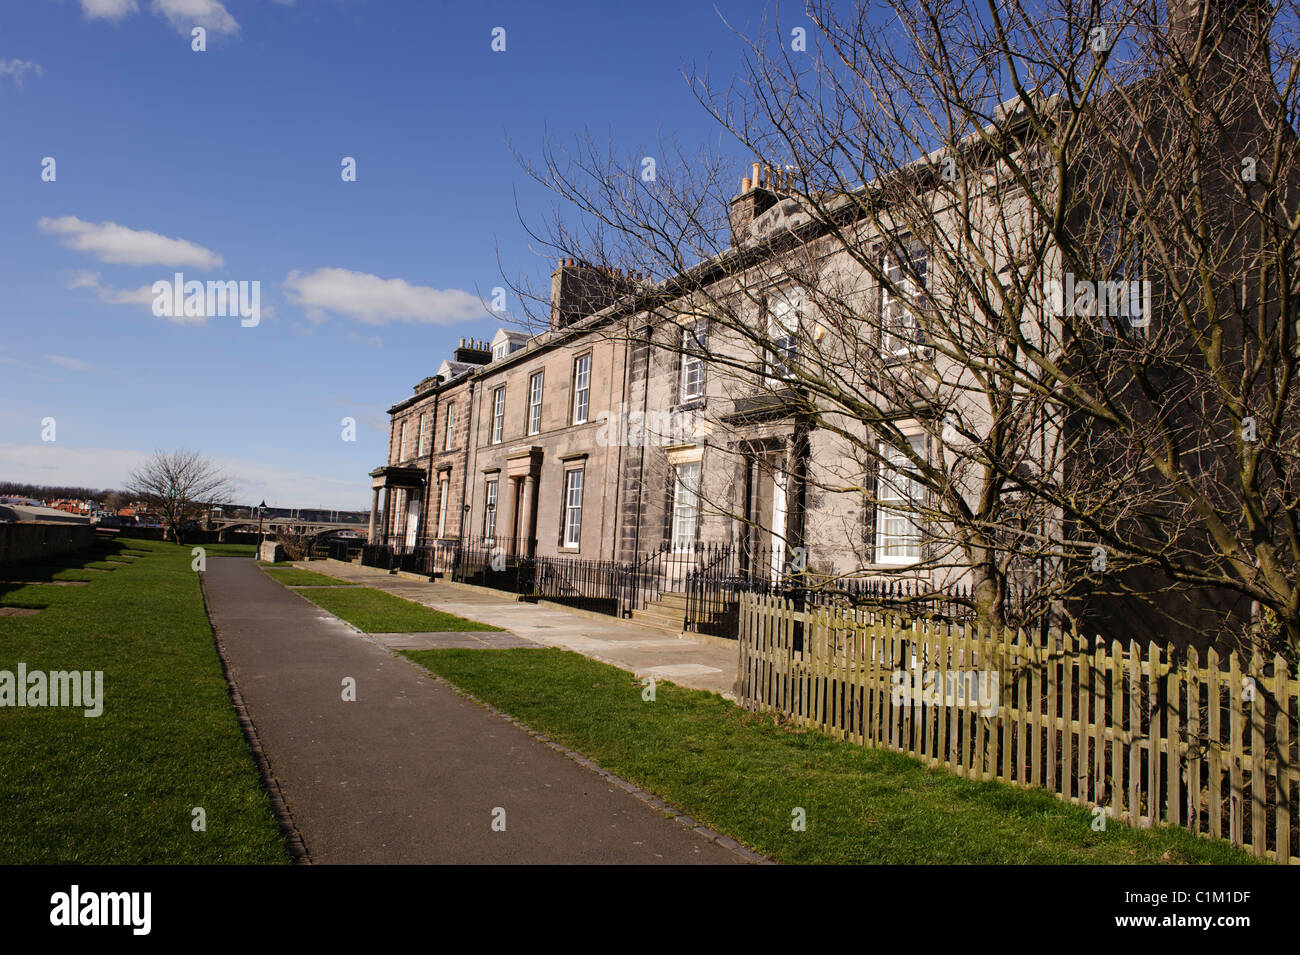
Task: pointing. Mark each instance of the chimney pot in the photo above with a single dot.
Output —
(745, 184)
(754, 178)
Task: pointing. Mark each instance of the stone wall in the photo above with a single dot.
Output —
(271, 551)
(30, 541)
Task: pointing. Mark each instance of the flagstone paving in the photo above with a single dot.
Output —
(688, 661)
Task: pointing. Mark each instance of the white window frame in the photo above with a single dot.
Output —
(490, 508)
(784, 317)
(500, 351)
(401, 441)
(898, 535)
(581, 388)
(900, 327)
(498, 414)
(692, 379)
(574, 479)
(686, 506)
(535, 385)
(449, 439)
(424, 432)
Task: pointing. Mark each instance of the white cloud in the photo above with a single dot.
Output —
(144, 295)
(72, 364)
(20, 68)
(185, 15)
(376, 301)
(59, 463)
(108, 9)
(110, 242)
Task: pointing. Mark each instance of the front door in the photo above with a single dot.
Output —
(778, 521)
(412, 520)
(518, 547)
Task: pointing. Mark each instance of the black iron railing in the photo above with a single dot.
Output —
(714, 586)
(711, 577)
(714, 589)
(498, 562)
(666, 570)
(596, 585)
(428, 560)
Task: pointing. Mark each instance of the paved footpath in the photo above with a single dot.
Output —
(411, 772)
(645, 651)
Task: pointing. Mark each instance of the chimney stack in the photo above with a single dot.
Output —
(1236, 35)
(756, 197)
(473, 352)
(579, 289)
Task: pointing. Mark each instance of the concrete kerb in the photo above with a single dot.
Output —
(650, 800)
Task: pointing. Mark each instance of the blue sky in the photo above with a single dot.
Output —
(225, 164)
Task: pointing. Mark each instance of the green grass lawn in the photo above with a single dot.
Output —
(121, 787)
(744, 775)
(373, 611)
(227, 550)
(296, 577)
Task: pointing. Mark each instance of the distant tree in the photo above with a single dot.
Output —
(46, 492)
(179, 486)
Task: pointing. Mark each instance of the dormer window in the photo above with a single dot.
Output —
(500, 350)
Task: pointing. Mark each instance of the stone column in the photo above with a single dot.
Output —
(530, 514)
(374, 515)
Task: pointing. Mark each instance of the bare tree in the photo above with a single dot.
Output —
(180, 485)
(936, 190)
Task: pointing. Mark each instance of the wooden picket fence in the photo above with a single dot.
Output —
(1208, 745)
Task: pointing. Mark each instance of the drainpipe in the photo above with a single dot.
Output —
(618, 470)
(428, 475)
(640, 494)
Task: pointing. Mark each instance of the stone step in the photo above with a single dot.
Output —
(665, 611)
(658, 621)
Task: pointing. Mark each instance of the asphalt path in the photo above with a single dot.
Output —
(412, 772)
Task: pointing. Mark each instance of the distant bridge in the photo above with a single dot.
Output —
(292, 525)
